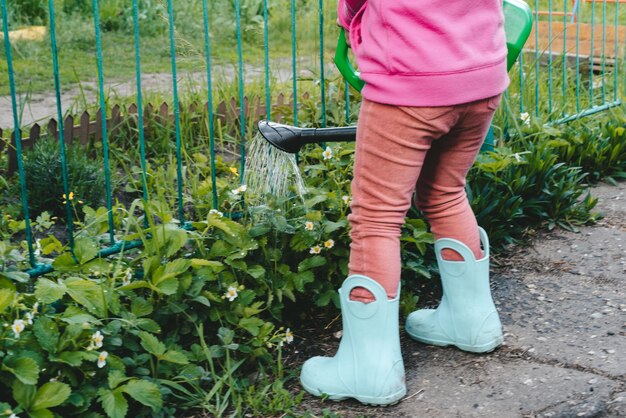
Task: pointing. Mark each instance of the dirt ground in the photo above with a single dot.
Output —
(40, 107)
(562, 302)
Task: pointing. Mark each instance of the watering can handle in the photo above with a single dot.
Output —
(342, 61)
(517, 25)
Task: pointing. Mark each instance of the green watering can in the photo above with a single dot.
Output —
(518, 23)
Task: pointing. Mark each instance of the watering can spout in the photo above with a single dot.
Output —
(291, 138)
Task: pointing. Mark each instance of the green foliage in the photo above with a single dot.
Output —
(117, 15)
(44, 175)
(29, 12)
(132, 334)
(598, 151)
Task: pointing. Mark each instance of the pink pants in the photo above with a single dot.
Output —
(402, 150)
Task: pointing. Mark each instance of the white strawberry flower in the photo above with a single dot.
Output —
(231, 293)
(17, 327)
(102, 359)
(327, 153)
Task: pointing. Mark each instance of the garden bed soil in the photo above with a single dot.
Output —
(562, 301)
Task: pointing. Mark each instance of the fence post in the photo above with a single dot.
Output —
(68, 130)
(83, 130)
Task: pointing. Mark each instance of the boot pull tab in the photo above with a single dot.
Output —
(458, 268)
(359, 309)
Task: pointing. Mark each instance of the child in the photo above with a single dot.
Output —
(434, 72)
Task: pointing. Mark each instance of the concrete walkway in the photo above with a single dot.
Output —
(562, 302)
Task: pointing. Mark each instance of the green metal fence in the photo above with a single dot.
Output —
(572, 67)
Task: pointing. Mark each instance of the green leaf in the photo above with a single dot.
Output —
(148, 324)
(246, 297)
(311, 262)
(24, 394)
(51, 394)
(171, 238)
(65, 262)
(330, 226)
(257, 271)
(18, 276)
(75, 315)
(87, 293)
(40, 413)
(24, 368)
(150, 265)
(117, 377)
(151, 344)
(220, 223)
(73, 358)
(47, 333)
(200, 262)
(203, 300)
(168, 286)
(301, 279)
(325, 298)
(47, 291)
(139, 284)
(146, 393)
(85, 249)
(176, 267)
(6, 298)
(252, 325)
(141, 307)
(226, 335)
(174, 357)
(113, 403)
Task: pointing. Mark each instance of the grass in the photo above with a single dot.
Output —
(76, 42)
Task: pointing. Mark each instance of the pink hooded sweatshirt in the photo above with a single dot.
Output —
(427, 52)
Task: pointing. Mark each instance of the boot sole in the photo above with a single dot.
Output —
(366, 400)
(483, 348)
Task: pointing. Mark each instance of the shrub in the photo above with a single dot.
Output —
(31, 12)
(44, 176)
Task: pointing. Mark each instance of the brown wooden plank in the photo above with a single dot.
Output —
(552, 41)
(115, 121)
(68, 130)
(52, 128)
(83, 132)
(34, 135)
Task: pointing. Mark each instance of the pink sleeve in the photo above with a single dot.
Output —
(347, 9)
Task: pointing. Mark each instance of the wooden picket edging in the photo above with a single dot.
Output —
(86, 129)
(589, 48)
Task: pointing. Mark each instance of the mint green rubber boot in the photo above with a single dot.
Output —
(466, 316)
(368, 365)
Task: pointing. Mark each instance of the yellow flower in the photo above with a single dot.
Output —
(234, 171)
(65, 198)
(102, 359)
(315, 250)
(308, 226)
(329, 244)
(17, 327)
